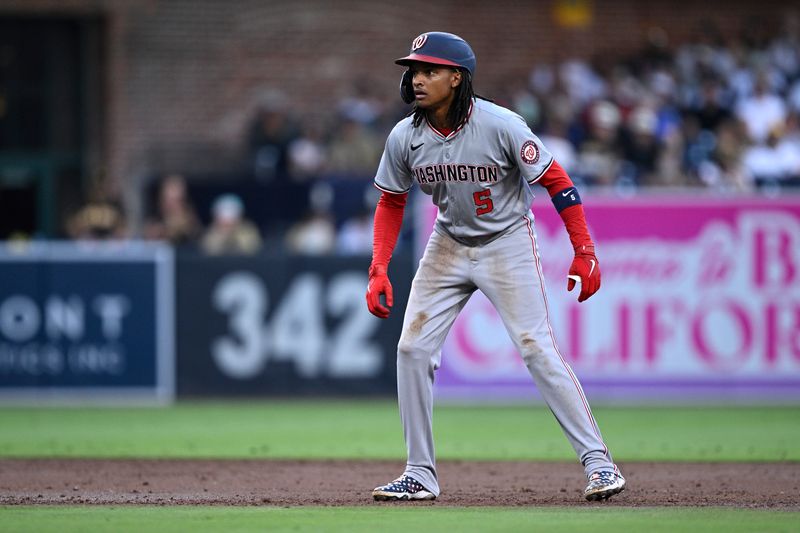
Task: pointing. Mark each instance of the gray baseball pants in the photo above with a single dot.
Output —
(507, 270)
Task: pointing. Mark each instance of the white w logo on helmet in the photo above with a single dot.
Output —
(419, 42)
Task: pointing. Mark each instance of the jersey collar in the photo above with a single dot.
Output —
(455, 131)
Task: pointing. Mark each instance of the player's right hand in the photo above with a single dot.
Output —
(379, 284)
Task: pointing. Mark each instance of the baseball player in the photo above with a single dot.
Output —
(478, 161)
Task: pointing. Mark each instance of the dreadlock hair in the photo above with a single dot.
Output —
(459, 109)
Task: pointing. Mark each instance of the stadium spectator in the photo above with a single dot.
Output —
(355, 151)
(101, 218)
(709, 110)
(362, 105)
(308, 153)
(268, 140)
(789, 147)
(175, 219)
(230, 232)
(599, 154)
(314, 234)
(355, 235)
(761, 112)
(557, 142)
(640, 146)
(775, 162)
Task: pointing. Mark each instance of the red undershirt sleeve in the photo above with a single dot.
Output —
(556, 180)
(388, 220)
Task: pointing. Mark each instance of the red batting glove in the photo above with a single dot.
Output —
(585, 268)
(379, 284)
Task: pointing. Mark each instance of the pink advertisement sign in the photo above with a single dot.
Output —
(700, 299)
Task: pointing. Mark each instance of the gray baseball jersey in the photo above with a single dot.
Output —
(476, 175)
(479, 177)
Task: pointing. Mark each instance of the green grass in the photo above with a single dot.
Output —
(388, 519)
(371, 429)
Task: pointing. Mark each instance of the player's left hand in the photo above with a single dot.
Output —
(585, 268)
(379, 284)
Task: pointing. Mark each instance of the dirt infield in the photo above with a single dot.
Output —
(292, 483)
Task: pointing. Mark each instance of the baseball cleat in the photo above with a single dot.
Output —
(403, 488)
(603, 485)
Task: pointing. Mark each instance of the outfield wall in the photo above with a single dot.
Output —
(285, 326)
(87, 322)
(131, 322)
(700, 300)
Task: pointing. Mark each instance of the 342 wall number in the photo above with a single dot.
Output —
(296, 330)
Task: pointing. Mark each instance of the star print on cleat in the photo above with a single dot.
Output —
(603, 485)
(402, 488)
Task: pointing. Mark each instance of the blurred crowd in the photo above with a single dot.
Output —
(719, 112)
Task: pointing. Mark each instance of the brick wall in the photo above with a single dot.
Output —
(184, 76)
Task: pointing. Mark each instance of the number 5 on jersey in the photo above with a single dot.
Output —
(483, 201)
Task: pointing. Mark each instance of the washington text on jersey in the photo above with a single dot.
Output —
(455, 172)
